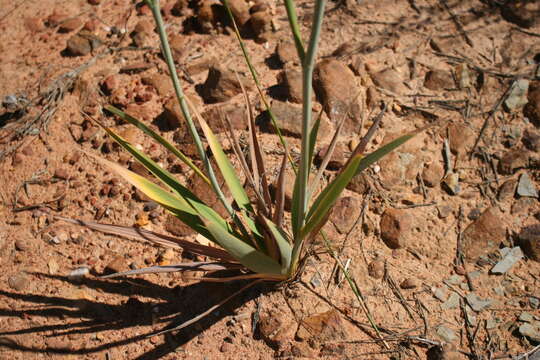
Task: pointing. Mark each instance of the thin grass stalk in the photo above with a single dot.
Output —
(305, 166)
(166, 50)
(293, 22)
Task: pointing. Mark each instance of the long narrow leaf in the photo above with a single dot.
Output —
(158, 138)
(280, 194)
(283, 244)
(248, 256)
(192, 266)
(146, 235)
(332, 192)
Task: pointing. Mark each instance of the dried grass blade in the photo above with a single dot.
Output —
(192, 266)
(280, 194)
(361, 147)
(160, 239)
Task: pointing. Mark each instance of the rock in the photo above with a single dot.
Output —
(507, 190)
(221, 85)
(451, 183)
(240, 11)
(529, 238)
(531, 140)
(476, 303)
(82, 43)
(323, 327)
(276, 331)
(172, 113)
(34, 24)
(513, 160)
(70, 25)
(451, 303)
(337, 90)
(373, 98)
(261, 23)
(509, 259)
(55, 19)
(359, 184)
(526, 317)
(21, 245)
(79, 273)
(517, 98)
(226, 347)
(439, 293)
(345, 213)
(135, 68)
(337, 160)
(291, 78)
(390, 80)
(53, 266)
(532, 109)
(461, 138)
(376, 269)
(437, 80)
(395, 225)
(446, 334)
(289, 121)
(216, 117)
(530, 331)
(62, 174)
(484, 235)
(524, 13)
(444, 211)
(18, 282)
(432, 174)
(286, 52)
(409, 283)
(526, 188)
(118, 264)
(161, 82)
(303, 350)
(142, 33)
(402, 166)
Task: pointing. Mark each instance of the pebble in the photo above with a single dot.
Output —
(451, 303)
(323, 327)
(439, 293)
(439, 80)
(517, 98)
(531, 140)
(315, 280)
(62, 174)
(286, 52)
(221, 84)
(451, 182)
(483, 235)
(532, 109)
(79, 273)
(291, 78)
(530, 331)
(476, 303)
(432, 174)
(409, 283)
(70, 25)
(395, 224)
(510, 258)
(446, 334)
(390, 80)
(461, 138)
(53, 266)
(526, 187)
(261, 23)
(376, 269)
(525, 317)
(512, 161)
(18, 282)
(530, 241)
(82, 43)
(118, 264)
(21, 245)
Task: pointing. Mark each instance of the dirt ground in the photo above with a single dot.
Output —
(442, 237)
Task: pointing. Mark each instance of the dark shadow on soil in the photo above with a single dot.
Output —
(94, 316)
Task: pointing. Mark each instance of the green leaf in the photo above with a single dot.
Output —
(283, 244)
(324, 202)
(126, 117)
(246, 254)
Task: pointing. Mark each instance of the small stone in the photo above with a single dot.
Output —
(451, 303)
(535, 302)
(461, 138)
(530, 241)
(221, 85)
(226, 347)
(432, 174)
(437, 80)
(359, 184)
(513, 160)
(303, 350)
(532, 109)
(18, 282)
(517, 98)
(376, 269)
(62, 174)
(507, 190)
(439, 294)
(286, 52)
(79, 273)
(390, 80)
(446, 334)
(291, 78)
(491, 324)
(240, 11)
(118, 264)
(315, 280)
(530, 331)
(526, 317)
(484, 235)
(94, 2)
(531, 140)
(395, 225)
(261, 23)
(135, 68)
(526, 187)
(70, 25)
(142, 33)
(172, 113)
(409, 283)
(82, 43)
(161, 82)
(165, 258)
(21, 245)
(444, 211)
(323, 327)
(454, 280)
(34, 24)
(451, 183)
(53, 266)
(276, 331)
(337, 90)
(345, 213)
(509, 259)
(476, 303)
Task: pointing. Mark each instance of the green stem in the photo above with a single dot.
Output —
(293, 23)
(166, 49)
(303, 172)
